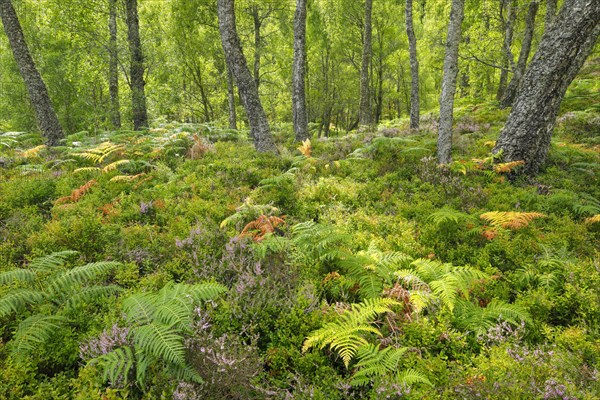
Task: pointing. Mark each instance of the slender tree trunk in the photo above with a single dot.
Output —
(365, 95)
(231, 100)
(257, 44)
(561, 53)
(259, 125)
(138, 94)
(507, 57)
(519, 70)
(113, 66)
(444, 148)
(550, 13)
(414, 67)
(379, 97)
(299, 72)
(36, 88)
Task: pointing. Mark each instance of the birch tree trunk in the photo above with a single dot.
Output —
(113, 66)
(231, 100)
(234, 56)
(414, 67)
(298, 73)
(364, 113)
(519, 70)
(138, 94)
(507, 57)
(36, 88)
(561, 53)
(550, 13)
(444, 148)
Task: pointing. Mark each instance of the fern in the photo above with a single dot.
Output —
(346, 335)
(51, 262)
(469, 316)
(510, 219)
(34, 331)
(375, 363)
(248, 212)
(448, 216)
(159, 321)
(116, 365)
(319, 242)
(17, 299)
(98, 154)
(49, 292)
(17, 275)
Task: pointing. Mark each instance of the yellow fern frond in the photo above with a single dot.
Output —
(126, 178)
(510, 219)
(305, 148)
(101, 152)
(490, 143)
(87, 169)
(112, 166)
(34, 152)
(593, 220)
(507, 167)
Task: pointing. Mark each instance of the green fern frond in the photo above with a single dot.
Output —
(345, 336)
(373, 362)
(162, 342)
(17, 275)
(446, 290)
(51, 261)
(91, 294)
(116, 365)
(186, 373)
(429, 270)
(411, 376)
(17, 299)
(472, 317)
(34, 331)
(140, 308)
(448, 215)
(320, 242)
(81, 275)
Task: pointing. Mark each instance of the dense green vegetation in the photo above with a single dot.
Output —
(331, 201)
(354, 268)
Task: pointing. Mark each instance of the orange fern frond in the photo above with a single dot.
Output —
(507, 167)
(593, 220)
(77, 194)
(510, 219)
(305, 148)
(261, 226)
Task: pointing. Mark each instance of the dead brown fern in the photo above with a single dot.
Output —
(261, 226)
(510, 219)
(76, 194)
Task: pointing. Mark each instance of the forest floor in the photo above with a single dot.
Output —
(410, 280)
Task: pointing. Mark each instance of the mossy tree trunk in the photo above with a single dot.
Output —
(299, 73)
